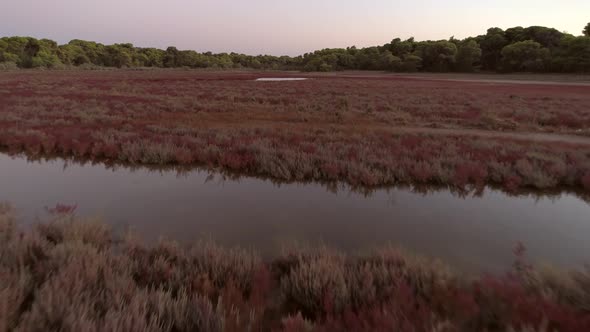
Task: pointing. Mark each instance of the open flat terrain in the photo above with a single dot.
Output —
(524, 78)
(364, 129)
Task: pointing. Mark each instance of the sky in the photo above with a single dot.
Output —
(278, 27)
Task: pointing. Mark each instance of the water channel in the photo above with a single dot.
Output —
(468, 232)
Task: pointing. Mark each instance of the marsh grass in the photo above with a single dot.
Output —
(329, 129)
(73, 274)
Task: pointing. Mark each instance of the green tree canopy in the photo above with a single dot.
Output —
(390, 62)
(411, 63)
(468, 56)
(515, 49)
(438, 56)
(573, 55)
(491, 48)
(527, 55)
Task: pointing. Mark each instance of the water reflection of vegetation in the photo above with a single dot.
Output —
(222, 176)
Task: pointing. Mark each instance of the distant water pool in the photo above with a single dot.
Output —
(474, 233)
(279, 79)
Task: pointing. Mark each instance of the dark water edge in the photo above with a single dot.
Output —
(472, 229)
(332, 186)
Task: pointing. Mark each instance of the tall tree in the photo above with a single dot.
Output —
(119, 55)
(72, 54)
(527, 55)
(6, 54)
(411, 63)
(516, 34)
(95, 52)
(573, 55)
(400, 48)
(171, 57)
(491, 47)
(586, 31)
(468, 56)
(547, 37)
(390, 62)
(437, 56)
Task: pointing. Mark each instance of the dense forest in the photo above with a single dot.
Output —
(532, 49)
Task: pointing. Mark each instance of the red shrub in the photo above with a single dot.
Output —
(183, 156)
(411, 142)
(421, 172)
(470, 114)
(295, 324)
(470, 173)
(262, 285)
(308, 148)
(566, 120)
(506, 301)
(60, 209)
(81, 148)
(352, 154)
(512, 183)
(111, 150)
(237, 160)
(406, 312)
(49, 145)
(331, 170)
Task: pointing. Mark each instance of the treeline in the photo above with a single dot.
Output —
(27, 52)
(532, 49)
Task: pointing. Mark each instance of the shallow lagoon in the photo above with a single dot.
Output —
(475, 233)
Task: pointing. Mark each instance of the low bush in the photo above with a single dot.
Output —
(8, 66)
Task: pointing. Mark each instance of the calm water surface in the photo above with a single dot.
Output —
(280, 79)
(472, 233)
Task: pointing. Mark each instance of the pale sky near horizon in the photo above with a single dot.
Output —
(277, 27)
